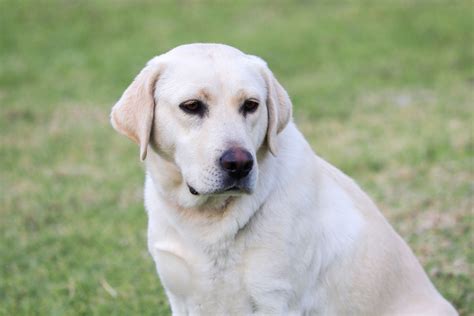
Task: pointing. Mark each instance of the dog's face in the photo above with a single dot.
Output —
(208, 109)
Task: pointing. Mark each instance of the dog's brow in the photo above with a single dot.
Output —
(204, 94)
(242, 95)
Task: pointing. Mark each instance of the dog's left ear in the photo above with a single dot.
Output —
(279, 105)
(133, 114)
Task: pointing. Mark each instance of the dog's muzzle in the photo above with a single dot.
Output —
(236, 163)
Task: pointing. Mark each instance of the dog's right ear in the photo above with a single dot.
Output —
(133, 114)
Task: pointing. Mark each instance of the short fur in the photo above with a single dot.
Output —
(305, 241)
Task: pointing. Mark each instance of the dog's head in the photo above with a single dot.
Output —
(208, 109)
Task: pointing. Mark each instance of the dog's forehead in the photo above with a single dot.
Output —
(220, 66)
(203, 50)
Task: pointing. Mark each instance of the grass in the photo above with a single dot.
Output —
(383, 90)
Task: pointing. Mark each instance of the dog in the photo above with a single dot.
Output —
(243, 217)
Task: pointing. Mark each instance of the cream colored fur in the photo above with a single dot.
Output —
(305, 241)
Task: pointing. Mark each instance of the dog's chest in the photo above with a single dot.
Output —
(211, 278)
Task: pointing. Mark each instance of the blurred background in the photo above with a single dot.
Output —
(381, 89)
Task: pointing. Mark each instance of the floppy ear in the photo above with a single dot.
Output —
(278, 107)
(132, 115)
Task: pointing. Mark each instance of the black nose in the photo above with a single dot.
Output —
(237, 162)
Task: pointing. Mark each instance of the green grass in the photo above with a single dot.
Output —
(383, 90)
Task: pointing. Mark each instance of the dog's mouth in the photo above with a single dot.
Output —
(235, 188)
(192, 190)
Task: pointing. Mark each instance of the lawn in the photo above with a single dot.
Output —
(382, 89)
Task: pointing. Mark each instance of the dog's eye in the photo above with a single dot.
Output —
(249, 106)
(193, 107)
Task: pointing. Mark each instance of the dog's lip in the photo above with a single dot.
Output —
(233, 189)
(192, 190)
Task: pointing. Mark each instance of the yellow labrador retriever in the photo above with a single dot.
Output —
(244, 218)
